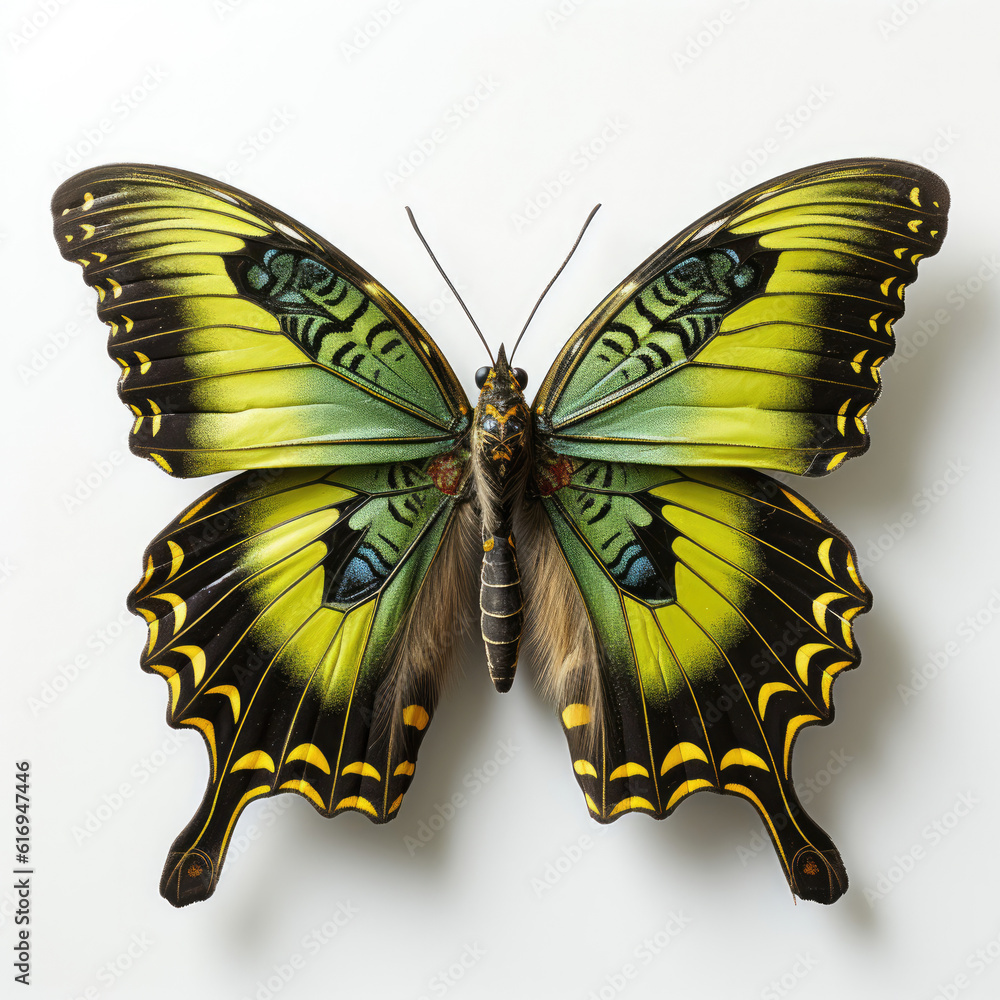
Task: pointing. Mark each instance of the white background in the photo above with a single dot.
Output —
(286, 100)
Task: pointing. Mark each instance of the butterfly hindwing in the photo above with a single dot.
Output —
(302, 619)
(721, 608)
(245, 339)
(755, 336)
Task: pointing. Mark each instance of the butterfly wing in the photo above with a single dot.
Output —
(755, 336)
(245, 339)
(304, 620)
(720, 608)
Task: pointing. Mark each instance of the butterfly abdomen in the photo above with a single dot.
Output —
(501, 606)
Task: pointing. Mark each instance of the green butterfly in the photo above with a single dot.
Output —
(688, 614)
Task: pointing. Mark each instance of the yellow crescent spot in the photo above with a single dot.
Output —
(900, 289)
(821, 604)
(627, 771)
(128, 325)
(584, 767)
(575, 715)
(156, 418)
(173, 682)
(416, 716)
(406, 767)
(845, 625)
(147, 576)
(176, 557)
(197, 657)
(311, 754)
(805, 654)
(100, 293)
(828, 677)
(681, 752)
(395, 804)
(888, 325)
(824, 555)
(488, 544)
(873, 321)
(101, 257)
(88, 200)
(841, 419)
(114, 333)
(915, 196)
(934, 232)
(144, 363)
(81, 261)
(153, 623)
(793, 727)
(303, 787)
(592, 805)
(835, 461)
(686, 789)
(116, 289)
(875, 365)
(915, 258)
(744, 758)
(802, 506)
(357, 802)
(853, 572)
(900, 251)
(856, 363)
(209, 730)
(68, 237)
(88, 230)
(256, 760)
(161, 462)
(935, 204)
(632, 802)
(363, 768)
(885, 284)
(137, 424)
(767, 691)
(234, 699)
(194, 510)
(914, 224)
(180, 609)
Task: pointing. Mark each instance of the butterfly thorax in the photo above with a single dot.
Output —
(501, 456)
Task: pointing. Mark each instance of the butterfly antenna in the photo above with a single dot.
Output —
(572, 250)
(454, 290)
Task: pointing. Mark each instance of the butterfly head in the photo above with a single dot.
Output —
(501, 418)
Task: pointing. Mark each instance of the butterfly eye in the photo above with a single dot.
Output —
(522, 378)
(481, 376)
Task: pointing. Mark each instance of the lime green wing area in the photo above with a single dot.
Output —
(245, 339)
(721, 606)
(285, 611)
(753, 338)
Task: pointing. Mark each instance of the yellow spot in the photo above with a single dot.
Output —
(488, 544)
(853, 571)
(820, 606)
(68, 237)
(357, 802)
(681, 752)
(100, 293)
(828, 677)
(632, 802)
(116, 289)
(144, 363)
(628, 770)
(915, 258)
(88, 200)
(765, 693)
(101, 257)
(584, 767)
(85, 263)
(885, 284)
(575, 715)
(88, 230)
(180, 609)
(686, 789)
(873, 322)
(744, 758)
(406, 767)
(802, 506)
(161, 462)
(176, 557)
(914, 224)
(209, 730)
(841, 419)
(147, 576)
(836, 460)
(934, 232)
(256, 760)
(363, 768)
(197, 657)
(793, 727)
(128, 326)
(845, 625)
(311, 754)
(805, 655)
(395, 804)
(234, 698)
(304, 788)
(416, 716)
(824, 555)
(875, 365)
(592, 805)
(173, 682)
(856, 363)
(157, 418)
(900, 251)
(194, 510)
(153, 624)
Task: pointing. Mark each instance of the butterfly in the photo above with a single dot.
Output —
(687, 613)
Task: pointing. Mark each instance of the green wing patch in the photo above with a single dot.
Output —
(722, 606)
(246, 340)
(753, 338)
(276, 606)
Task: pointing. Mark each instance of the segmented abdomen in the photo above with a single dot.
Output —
(501, 606)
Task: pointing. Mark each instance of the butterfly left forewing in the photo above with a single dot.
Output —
(720, 606)
(304, 620)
